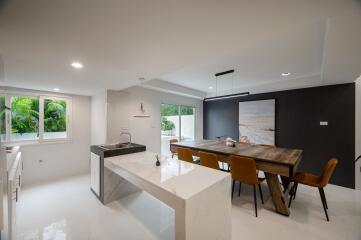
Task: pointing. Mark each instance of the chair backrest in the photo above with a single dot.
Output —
(185, 154)
(173, 141)
(328, 171)
(208, 159)
(244, 169)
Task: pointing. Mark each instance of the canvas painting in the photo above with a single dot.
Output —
(257, 122)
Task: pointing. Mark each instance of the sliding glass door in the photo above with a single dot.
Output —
(187, 123)
(177, 123)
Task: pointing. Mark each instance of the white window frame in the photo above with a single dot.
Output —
(180, 120)
(8, 95)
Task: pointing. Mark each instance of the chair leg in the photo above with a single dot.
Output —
(255, 199)
(291, 195)
(233, 182)
(239, 189)
(260, 192)
(295, 190)
(323, 199)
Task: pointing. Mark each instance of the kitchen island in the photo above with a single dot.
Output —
(200, 196)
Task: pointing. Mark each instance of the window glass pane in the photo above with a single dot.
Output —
(24, 118)
(55, 119)
(2, 119)
(187, 123)
(169, 116)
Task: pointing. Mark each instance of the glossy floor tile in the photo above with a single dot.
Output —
(67, 209)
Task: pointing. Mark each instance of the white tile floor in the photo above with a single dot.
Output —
(67, 209)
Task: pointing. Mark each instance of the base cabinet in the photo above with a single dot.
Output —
(95, 173)
(14, 186)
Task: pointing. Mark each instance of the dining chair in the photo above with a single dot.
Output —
(314, 181)
(208, 159)
(185, 154)
(243, 170)
(172, 150)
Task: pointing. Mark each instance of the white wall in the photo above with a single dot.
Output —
(122, 105)
(99, 118)
(358, 133)
(44, 162)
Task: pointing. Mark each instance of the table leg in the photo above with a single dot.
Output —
(277, 194)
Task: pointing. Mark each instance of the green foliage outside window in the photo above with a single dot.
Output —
(186, 110)
(54, 115)
(172, 110)
(167, 125)
(24, 115)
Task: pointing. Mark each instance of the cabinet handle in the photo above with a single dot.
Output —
(19, 178)
(16, 195)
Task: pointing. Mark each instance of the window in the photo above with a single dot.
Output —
(177, 122)
(55, 118)
(24, 118)
(34, 118)
(2, 119)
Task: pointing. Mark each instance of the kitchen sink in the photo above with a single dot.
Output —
(116, 146)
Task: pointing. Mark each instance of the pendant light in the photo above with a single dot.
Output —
(232, 95)
(142, 111)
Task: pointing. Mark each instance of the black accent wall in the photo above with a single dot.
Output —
(298, 116)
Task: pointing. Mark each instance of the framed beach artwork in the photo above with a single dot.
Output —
(257, 121)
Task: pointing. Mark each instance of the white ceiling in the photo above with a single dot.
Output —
(183, 42)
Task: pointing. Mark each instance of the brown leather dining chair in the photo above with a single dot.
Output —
(243, 170)
(185, 154)
(314, 181)
(173, 151)
(208, 159)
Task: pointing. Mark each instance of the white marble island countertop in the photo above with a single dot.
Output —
(200, 196)
(181, 178)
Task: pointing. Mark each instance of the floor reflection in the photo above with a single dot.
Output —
(54, 231)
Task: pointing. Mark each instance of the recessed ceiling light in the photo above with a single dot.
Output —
(286, 74)
(77, 65)
(210, 87)
(56, 89)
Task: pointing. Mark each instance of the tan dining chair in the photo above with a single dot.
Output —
(243, 170)
(172, 150)
(185, 154)
(314, 181)
(208, 159)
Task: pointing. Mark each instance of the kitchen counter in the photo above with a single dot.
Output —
(97, 156)
(101, 150)
(200, 196)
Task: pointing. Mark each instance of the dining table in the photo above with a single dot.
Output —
(273, 161)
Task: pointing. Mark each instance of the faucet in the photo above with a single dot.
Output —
(127, 133)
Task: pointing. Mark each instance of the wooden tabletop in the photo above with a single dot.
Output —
(284, 156)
